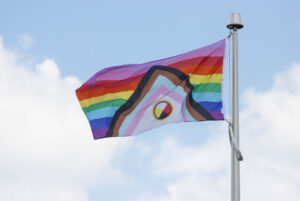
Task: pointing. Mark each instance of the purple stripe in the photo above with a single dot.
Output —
(132, 70)
(99, 133)
(217, 115)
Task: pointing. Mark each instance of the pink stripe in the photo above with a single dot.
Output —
(132, 70)
(161, 90)
(183, 115)
(176, 96)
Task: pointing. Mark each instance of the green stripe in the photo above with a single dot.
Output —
(209, 87)
(109, 103)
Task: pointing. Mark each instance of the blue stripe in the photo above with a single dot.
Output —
(101, 113)
(212, 106)
(207, 96)
(100, 123)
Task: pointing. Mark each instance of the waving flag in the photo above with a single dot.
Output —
(130, 99)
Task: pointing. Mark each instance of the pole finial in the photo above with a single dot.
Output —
(235, 21)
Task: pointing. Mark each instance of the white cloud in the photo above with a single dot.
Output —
(270, 143)
(46, 147)
(49, 69)
(194, 172)
(144, 149)
(183, 160)
(26, 41)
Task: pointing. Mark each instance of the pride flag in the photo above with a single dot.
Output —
(130, 99)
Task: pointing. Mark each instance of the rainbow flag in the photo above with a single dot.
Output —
(130, 99)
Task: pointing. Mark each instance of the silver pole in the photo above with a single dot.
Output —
(235, 114)
(234, 25)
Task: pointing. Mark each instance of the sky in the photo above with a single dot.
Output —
(49, 48)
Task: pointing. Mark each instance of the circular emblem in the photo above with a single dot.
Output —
(162, 110)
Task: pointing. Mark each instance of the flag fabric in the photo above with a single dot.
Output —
(129, 99)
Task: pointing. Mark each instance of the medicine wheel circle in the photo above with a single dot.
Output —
(162, 110)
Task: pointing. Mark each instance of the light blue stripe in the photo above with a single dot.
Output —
(101, 113)
(187, 115)
(207, 96)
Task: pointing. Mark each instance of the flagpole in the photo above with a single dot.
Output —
(234, 25)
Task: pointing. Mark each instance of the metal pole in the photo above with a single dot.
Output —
(235, 114)
(234, 25)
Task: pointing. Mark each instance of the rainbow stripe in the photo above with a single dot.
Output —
(109, 89)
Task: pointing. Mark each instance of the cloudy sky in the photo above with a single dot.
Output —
(48, 49)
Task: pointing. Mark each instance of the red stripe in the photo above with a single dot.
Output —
(199, 61)
(100, 90)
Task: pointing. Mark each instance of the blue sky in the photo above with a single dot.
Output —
(106, 33)
(49, 48)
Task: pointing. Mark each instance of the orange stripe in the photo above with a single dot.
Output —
(99, 91)
(201, 70)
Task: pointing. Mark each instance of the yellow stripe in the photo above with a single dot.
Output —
(203, 79)
(119, 95)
